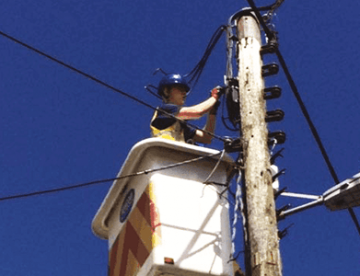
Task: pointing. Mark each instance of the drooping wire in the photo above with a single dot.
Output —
(207, 182)
(194, 75)
(236, 210)
(82, 185)
(75, 69)
(105, 84)
(294, 89)
(215, 167)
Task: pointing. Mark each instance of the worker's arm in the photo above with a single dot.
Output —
(199, 110)
(196, 111)
(205, 137)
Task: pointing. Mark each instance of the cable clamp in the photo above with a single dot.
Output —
(233, 145)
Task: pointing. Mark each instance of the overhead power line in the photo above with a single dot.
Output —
(87, 184)
(75, 69)
(104, 83)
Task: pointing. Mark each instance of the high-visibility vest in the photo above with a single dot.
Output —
(174, 132)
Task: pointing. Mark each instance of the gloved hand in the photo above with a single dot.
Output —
(217, 92)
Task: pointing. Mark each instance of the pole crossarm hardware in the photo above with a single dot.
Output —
(342, 196)
(262, 254)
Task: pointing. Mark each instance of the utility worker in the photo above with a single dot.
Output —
(173, 89)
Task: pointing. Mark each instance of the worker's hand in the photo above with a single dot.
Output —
(217, 92)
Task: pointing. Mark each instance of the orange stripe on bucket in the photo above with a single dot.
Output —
(139, 236)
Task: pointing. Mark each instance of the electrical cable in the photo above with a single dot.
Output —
(75, 69)
(105, 84)
(196, 72)
(307, 117)
(227, 184)
(193, 74)
(271, 11)
(294, 89)
(237, 207)
(216, 166)
(55, 190)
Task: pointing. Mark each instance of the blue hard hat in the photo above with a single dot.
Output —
(172, 79)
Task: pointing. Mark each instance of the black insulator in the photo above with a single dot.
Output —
(274, 115)
(272, 92)
(270, 69)
(269, 48)
(279, 135)
(272, 43)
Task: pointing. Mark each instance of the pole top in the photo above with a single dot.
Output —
(241, 13)
(247, 25)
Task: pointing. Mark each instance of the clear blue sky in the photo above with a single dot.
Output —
(59, 128)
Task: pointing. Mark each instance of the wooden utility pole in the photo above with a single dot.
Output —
(262, 254)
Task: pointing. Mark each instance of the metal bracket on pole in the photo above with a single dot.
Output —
(297, 195)
(233, 145)
(317, 202)
(344, 195)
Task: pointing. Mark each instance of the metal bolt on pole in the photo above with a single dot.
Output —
(262, 256)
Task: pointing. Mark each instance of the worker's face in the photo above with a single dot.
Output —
(177, 95)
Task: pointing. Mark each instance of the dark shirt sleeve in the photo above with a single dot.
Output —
(163, 121)
(189, 132)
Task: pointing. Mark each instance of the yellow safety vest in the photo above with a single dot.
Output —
(174, 132)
